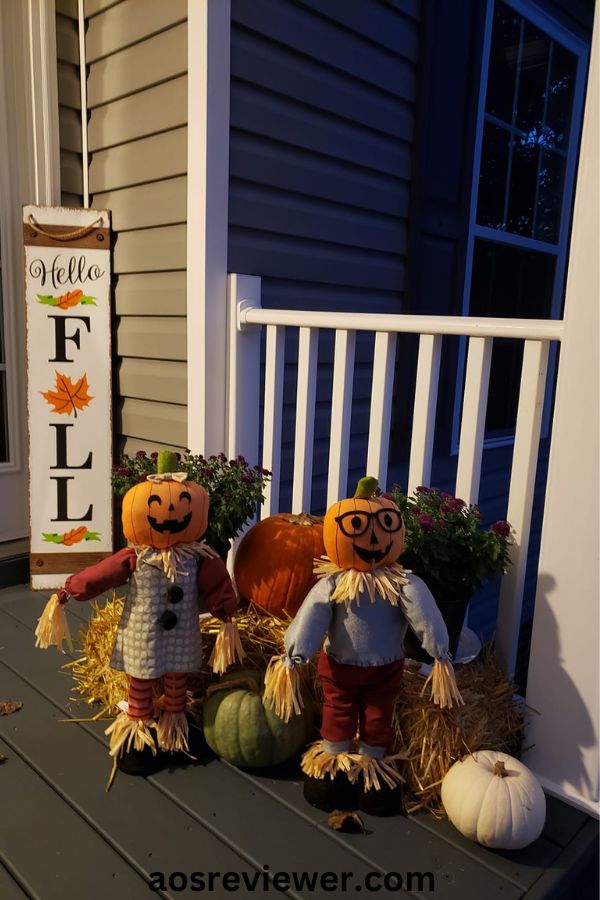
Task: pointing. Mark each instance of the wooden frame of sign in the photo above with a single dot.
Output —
(67, 297)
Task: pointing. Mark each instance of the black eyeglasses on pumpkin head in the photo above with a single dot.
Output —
(356, 522)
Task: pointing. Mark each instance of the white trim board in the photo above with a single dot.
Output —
(209, 27)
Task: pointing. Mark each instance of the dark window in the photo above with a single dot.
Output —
(518, 238)
(528, 109)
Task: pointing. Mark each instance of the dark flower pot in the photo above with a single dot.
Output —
(452, 601)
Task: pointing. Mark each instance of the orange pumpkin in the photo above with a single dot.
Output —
(363, 533)
(274, 562)
(161, 514)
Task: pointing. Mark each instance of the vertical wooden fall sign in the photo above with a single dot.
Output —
(67, 293)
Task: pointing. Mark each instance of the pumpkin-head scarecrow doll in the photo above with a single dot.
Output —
(169, 571)
(361, 605)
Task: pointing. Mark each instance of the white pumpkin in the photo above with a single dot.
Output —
(494, 799)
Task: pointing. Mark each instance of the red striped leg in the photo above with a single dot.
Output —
(139, 700)
(175, 687)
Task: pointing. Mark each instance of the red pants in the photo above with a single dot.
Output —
(359, 697)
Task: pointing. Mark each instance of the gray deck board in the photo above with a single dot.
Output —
(50, 867)
(213, 816)
(9, 888)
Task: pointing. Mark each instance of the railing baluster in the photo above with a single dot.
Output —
(472, 428)
(305, 419)
(384, 360)
(341, 409)
(426, 394)
(481, 332)
(273, 414)
(520, 498)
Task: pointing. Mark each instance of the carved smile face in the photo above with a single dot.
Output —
(169, 525)
(363, 534)
(166, 513)
(372, 557)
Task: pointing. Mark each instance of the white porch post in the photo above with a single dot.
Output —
(563, 681)
(209, 24)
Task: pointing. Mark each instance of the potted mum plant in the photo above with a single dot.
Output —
(447, 546)
(235, 488)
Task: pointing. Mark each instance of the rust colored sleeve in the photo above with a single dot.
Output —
(216, 591)
(93, 581)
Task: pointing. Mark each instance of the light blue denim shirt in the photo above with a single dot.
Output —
(365, 633)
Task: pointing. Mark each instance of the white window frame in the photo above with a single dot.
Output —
(30, 172)
(556, 31)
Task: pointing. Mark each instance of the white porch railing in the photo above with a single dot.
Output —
(247, 318)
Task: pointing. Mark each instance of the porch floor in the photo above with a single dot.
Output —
(62, 835)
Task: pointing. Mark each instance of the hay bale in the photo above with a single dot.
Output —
(261, 636)
(436, 738)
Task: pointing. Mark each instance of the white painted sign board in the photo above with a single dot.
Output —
(67, 295)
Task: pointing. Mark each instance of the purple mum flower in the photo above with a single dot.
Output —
(501, 528)
(141, 454)
(426, 522)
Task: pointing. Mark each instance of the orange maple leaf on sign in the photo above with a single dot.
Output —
(69, 396)
(71, 298)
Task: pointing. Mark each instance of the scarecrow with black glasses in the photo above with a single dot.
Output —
(362, 605)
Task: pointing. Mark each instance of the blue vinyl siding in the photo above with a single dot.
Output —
(322, 122)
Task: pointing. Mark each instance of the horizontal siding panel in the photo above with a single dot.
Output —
(151, 294)
(157, 59)
(278, 256)
(256, 159)
(152, 337)
(286, 294)
(297, 27)
(410, 8)
(149, 159)
(158, 108)
(71, 172)
(380, 23)
(132, 445)
(147, 205)
(67, 40)
(69, 126)
(69, 90)
(276, 68)
(130, 22)
(258, 112)
(151, 421)
(66, 8)
(155, 379)
(151, 250)
(93, 7)
(294, 215)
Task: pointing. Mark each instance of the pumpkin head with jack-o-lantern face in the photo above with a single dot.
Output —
(165, 509)
(363, 532)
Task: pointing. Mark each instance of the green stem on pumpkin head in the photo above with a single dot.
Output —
(166, 462)
(366, 488)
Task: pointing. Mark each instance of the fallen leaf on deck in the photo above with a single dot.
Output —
(9, 706)
(346, 820)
